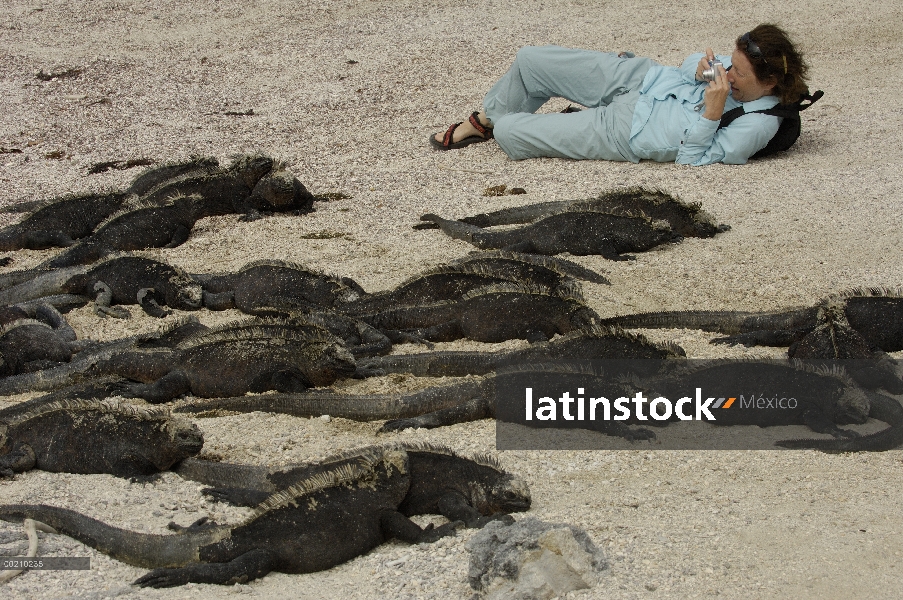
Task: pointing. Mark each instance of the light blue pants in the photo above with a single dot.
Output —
(603, 82)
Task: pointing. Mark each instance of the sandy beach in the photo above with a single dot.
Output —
(346, 93)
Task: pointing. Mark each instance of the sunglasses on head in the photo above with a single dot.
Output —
(752, 49)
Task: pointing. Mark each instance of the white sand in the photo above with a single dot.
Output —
(824, 217)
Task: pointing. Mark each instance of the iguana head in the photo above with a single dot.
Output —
(251, 167)
(853, 406)
(188, 296)
(333, 362)
(157, 444)
(508, 494)
(279, 190)
(488, 488)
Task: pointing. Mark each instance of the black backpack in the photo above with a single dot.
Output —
(790, 127)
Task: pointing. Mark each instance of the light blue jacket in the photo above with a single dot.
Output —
(668, 124)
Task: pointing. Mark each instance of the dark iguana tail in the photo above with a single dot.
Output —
(471, 234)
(882, 408)
(724, 321)
(36, 283)
(139, 549)
(357, 408)
(80, 368)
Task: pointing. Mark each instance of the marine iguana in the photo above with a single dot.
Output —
(96, 360)
(359, 338)
(445, 482)
(687, 220)
(825, 397)
(125, 276)
(94, 436)
(220, 191)
(62, 221)
(592, 342)
(576, 231)
(31, 344)
(276, 284)
(140, 225)
(518, 266)
(851, 324)
(881, 408)
(250, 356)
(460, 402)
(876, 313)
(165, 215)
(450, 282)
(315, 524)
(251, 185)
(491, 314)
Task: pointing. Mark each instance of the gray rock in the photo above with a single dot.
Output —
(533, 560)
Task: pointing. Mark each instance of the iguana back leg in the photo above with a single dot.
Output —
(250, 565)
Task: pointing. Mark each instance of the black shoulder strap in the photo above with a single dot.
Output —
(790, 127)
(787, 111)
(730, 116)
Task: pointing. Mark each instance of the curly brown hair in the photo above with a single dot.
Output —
(779, 62)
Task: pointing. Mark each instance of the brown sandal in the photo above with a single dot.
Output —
(447, 144)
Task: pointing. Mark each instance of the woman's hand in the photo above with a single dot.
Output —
(704, 63)
(716, 95)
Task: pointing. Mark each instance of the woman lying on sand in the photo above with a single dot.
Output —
(637, 108)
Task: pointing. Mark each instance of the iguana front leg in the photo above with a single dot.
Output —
(236, 496)
(287, 381)
(179, 236)
(443, 332)
(220, 301)
(471, 410)
(248, 566)
(41, 240)
(396, 525)
(21, 459)
(103, 301)
(170, 386)
(819, 422)
(455, 507)
(763, 338)
(148, 302)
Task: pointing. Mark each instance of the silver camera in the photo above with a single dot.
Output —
(710, 73)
